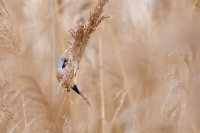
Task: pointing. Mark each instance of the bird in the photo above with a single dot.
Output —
(61, 71)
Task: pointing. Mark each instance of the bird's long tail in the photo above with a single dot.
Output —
(81, 94)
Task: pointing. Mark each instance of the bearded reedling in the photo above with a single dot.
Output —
(61, 71)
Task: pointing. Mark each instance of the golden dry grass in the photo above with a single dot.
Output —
(140, 67)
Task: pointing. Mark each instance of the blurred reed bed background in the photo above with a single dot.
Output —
(140, 67)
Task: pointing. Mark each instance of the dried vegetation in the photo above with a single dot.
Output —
(140, 67)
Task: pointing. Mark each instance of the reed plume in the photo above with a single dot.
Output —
(80, 36)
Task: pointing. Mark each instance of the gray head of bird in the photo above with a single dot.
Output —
(62, 62)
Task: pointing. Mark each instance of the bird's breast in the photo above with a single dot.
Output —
(60, 73)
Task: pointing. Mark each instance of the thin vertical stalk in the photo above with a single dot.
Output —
(151, 48)
(24, 111)
(101, 87)
(53, 48)
(92, 119)
(127, 92)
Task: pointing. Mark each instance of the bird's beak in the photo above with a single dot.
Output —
(67, 62)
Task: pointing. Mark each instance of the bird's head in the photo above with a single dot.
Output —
(62, 62)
